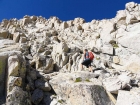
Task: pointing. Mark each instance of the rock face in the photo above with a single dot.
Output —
(40, 60)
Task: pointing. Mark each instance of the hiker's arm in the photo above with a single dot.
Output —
(83, 57)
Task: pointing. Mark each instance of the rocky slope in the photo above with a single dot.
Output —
(39, 60)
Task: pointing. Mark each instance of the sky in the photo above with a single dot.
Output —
(63, 9)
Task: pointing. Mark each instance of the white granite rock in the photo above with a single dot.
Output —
(128, 98)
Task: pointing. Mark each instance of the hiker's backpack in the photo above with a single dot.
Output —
(91, 56)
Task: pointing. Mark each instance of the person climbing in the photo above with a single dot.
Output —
(87, 59)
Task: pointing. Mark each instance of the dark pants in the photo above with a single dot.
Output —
(86, 62)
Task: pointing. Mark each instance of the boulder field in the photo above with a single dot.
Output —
(40, 58)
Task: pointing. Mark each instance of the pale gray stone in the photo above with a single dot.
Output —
(128, 98)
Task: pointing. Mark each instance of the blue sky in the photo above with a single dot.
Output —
(63, 9)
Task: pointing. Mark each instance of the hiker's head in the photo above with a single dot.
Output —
(85, 50)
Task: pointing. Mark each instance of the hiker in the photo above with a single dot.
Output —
(87, 59)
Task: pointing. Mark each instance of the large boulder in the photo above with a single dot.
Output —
(79, 91)
(128, 98)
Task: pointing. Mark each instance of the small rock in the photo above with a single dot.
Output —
(116, 59)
